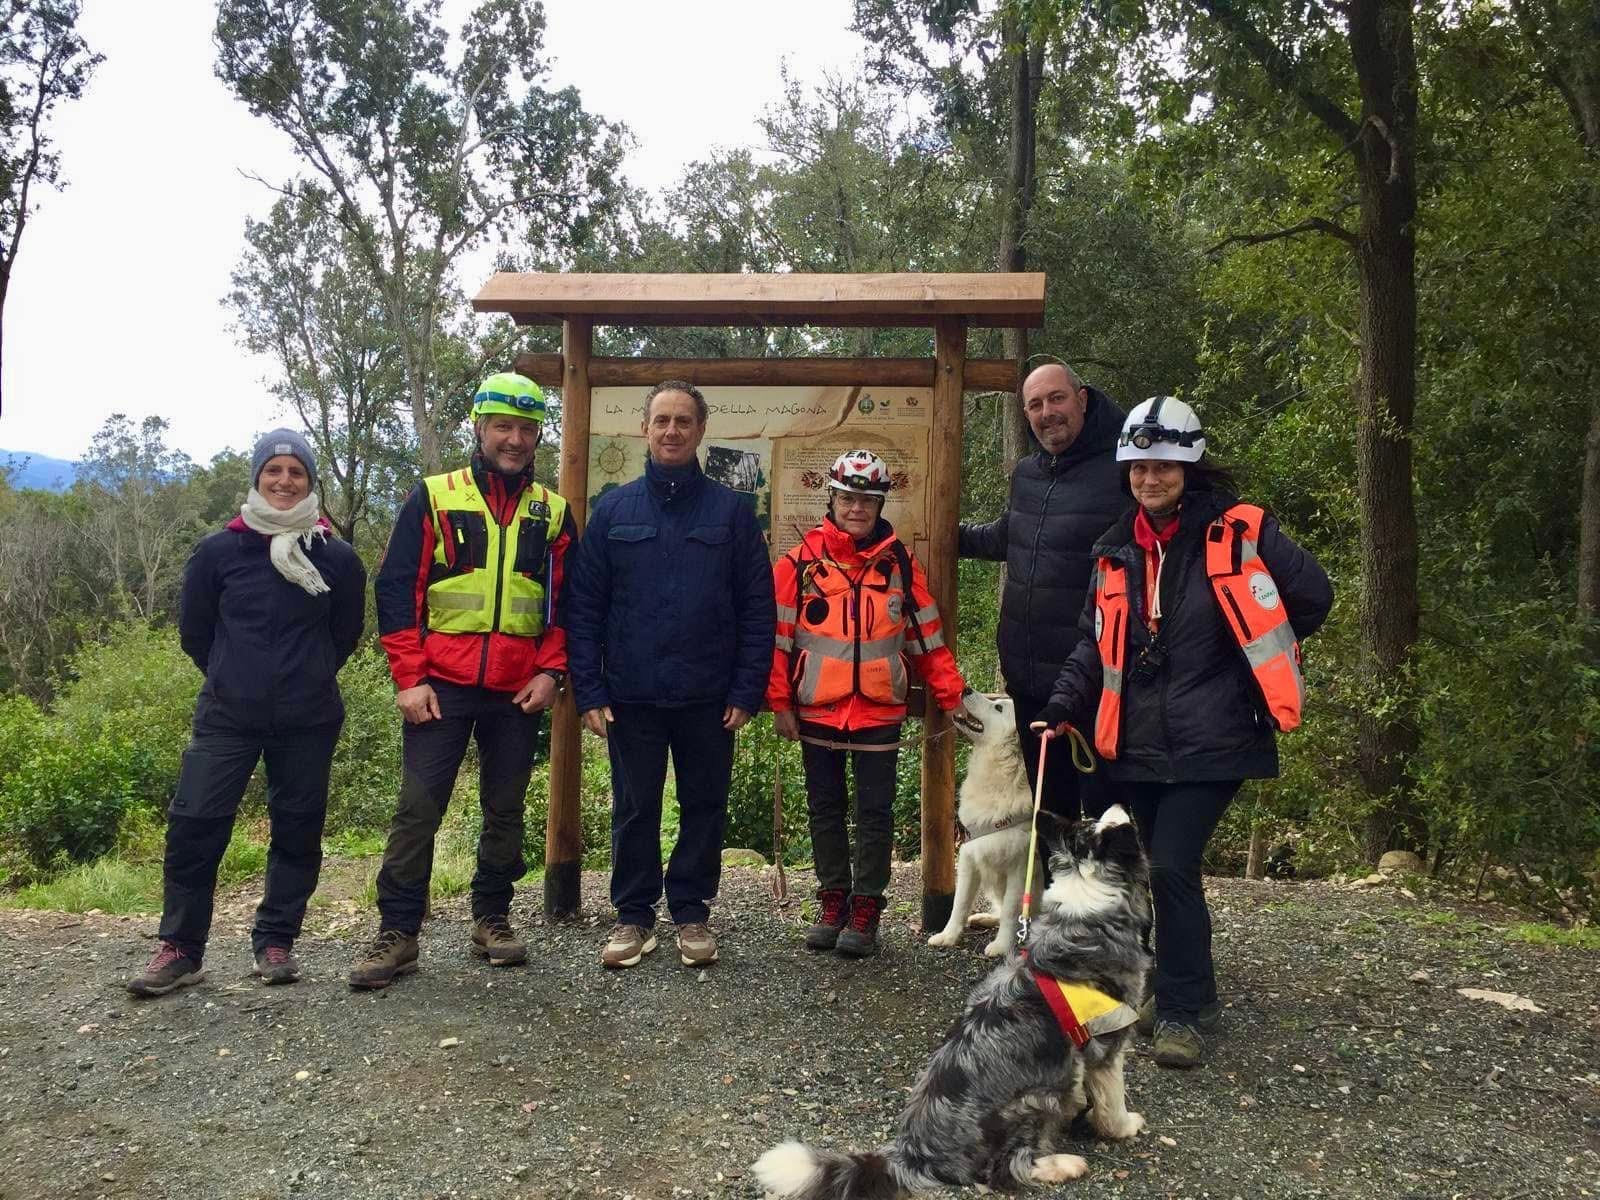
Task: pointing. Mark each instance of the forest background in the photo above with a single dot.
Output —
(1359, 237)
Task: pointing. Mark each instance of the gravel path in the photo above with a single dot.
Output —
(1348, 1066)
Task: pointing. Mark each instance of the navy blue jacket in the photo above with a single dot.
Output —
(670, 599)
(1059, 505)
(269, 649)
(1201, 717)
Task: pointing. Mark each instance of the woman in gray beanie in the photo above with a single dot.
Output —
(271, 609)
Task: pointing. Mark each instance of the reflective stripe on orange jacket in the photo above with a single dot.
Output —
(846, 633)
(1246, 595)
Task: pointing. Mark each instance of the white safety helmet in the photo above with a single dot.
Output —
(1162, 427)
(860, 471)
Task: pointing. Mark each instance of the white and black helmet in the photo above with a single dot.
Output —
(860, 471)
(1162, 427)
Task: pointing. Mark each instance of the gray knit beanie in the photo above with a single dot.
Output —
(283, 441)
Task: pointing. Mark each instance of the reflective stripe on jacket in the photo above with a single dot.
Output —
(486, 577)
(1248, 599)
(848, 624)
(1250, 603)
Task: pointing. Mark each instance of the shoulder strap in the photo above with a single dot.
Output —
(903, 557)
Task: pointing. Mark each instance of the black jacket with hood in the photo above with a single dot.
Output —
(1200, 717)
(1059, 505)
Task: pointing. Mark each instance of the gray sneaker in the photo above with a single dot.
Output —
(168, 970)
(697, 945)
(1207, 1019)
(627, 945)
(276, 964)
(1178, 1045)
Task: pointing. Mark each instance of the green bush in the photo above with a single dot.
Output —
(136, 687)
(64, 801)
(365, 781)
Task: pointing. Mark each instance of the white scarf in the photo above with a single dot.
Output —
(288, 528)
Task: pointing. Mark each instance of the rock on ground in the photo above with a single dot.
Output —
(1348, 1065)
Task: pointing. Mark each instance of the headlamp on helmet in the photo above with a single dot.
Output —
(1162, 428)
(509, 394)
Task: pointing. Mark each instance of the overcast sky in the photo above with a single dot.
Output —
(115, 302)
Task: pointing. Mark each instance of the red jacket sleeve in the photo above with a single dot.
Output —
(784, 583)
(929, 656)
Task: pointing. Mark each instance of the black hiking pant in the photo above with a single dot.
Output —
(638, 741)
(1175, 822)
(216, 769)
(828, 803)
(507, 740)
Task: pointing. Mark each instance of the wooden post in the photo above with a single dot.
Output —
(563, 839)
(944, 514)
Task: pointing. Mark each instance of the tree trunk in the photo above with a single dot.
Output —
(1385, 62)
(1255, 866)
(1589, 513)
(1024, 57)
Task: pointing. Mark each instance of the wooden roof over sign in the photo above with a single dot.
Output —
(981, 299)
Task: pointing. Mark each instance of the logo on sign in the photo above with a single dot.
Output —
(1264, 591)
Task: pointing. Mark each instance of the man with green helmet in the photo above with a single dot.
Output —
(469, 598)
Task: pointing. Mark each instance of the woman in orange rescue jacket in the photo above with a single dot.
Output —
(853, 610)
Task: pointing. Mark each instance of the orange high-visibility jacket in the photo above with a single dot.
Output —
(848, 623)
(1248, 599)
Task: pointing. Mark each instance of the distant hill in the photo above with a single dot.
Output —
(27, 470)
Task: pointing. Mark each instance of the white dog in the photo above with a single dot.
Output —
(995, 806)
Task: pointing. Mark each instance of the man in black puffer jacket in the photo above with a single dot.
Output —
(1063, 497)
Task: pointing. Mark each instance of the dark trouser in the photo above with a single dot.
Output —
(507, 738)
(702, 763)
(216, 769)
(1064, 787)
(828, 803)
(1175, 821)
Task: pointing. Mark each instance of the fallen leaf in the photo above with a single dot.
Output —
(1508, 1000)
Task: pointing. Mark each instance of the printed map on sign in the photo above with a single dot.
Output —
(775, 444)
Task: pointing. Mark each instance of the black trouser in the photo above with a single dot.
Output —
(1175, 821)
(1064, 786)
(829, 803)
(507, 738)
(216, 769)
(638, 742)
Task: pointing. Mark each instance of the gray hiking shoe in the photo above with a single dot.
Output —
(1207, 1019)
(697, 945)
(390, 955)
(494, 939)
(1177, 1044)
(627, 945)
(276, 965)
(168, 970)
(832, 914)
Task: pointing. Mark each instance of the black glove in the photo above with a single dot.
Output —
(1054, 715)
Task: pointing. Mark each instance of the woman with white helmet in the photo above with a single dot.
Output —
(853, 611)
(1197, 608)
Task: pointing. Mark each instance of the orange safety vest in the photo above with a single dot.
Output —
(1248, 598)
(850, 633)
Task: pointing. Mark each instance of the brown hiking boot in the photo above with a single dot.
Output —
(830, 919)
(627, 945)
(1177, 1044)
(697, 945)
(276, 965)
(390, 955)
(168, 970)
(859, 937)
(494, 939)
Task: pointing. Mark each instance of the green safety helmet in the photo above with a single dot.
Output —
(509, 394)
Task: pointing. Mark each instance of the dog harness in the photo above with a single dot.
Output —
(1082, 1012)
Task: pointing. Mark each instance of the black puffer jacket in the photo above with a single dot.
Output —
(1201, 717)
(1059, 505)
(269, 649)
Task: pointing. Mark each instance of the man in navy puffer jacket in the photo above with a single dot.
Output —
(670, 623)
